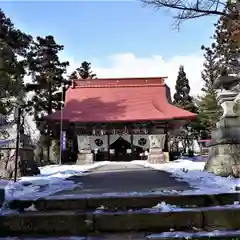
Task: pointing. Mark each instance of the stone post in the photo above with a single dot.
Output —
(156, 154)
(224, 149)
(85, 156)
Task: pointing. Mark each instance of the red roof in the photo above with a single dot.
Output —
(117, 100)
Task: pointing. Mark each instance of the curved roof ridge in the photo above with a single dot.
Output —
(109, 82)
(97, 85)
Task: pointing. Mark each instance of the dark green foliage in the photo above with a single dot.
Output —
(226, 44)
(209, 109)
(211, 69)
(13, 49)
(47, 76)
(47, 72)
(218, 59)
(182, 98)
(84, 71)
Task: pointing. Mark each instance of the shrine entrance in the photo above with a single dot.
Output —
(116, 147)
(122, 150)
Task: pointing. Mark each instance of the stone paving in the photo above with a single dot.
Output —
(125, 177)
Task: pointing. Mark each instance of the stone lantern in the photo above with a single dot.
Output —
(224, 149)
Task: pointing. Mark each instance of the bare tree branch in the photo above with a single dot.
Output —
(190, 9)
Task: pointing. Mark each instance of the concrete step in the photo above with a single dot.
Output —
(148, 220)
(80, 202)
(220, 235)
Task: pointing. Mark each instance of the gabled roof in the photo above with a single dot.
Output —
(118, 100)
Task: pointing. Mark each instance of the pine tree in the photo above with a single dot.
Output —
(13, 44)
(227, 44)
(182, 98)
(218, 59)
(208, 108)
(85, 71)
(48, 76)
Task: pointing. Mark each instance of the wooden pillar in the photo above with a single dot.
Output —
(108, 139)
(73, 147)
(166, 149)
(132, 147)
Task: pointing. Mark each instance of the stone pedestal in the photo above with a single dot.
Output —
(26, 164)
(166, 157)
(224, 160)
(85, 157)
(155, 156)
(224, 149)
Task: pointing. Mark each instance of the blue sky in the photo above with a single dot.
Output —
(96, 29)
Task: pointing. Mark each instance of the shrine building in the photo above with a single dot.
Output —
(117, 119)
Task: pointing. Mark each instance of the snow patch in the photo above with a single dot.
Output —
(52, 179)
(188, 235)
(55, 178)
(192, 173)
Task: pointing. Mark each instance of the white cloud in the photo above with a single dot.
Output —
(129, 65)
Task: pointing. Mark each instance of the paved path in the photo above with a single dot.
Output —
(126, 177)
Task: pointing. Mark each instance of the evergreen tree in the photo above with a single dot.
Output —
(47, 73)
(47, 76)
(227, 45)
(219, 59)
(84, 71)
(13, 44)
(182, 98)
(208, 108)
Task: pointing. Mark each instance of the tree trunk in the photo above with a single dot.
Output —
(48, 127)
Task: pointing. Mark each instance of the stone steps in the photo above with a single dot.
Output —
(140, 236)
(121, 215)
(84, 223)
(65, 202)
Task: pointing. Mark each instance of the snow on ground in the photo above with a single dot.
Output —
(189, 235)
(164, 235)
(192, 173)
(184, 170)
(53, 178)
